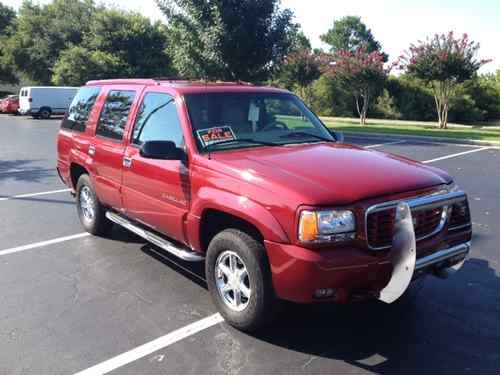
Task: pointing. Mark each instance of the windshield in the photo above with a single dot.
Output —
(236, 120)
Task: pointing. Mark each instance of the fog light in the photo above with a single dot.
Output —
(324, 293)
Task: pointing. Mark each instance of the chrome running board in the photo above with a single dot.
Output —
(183, 253)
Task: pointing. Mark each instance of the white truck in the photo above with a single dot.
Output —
(45, 101)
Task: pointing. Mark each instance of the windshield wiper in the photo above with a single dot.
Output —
(306, 134)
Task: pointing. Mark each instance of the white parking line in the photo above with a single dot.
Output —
(34, 194)
(35, 245)
(152, 346)
(385, 144)
(455, 155)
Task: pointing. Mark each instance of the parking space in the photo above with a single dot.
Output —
(79, 303)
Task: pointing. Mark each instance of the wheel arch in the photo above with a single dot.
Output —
(75, 171)
(217, 210)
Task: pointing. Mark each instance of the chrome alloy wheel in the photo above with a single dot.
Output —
(231, 278)
(87, 204)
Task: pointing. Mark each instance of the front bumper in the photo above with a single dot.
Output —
(352, 273)
(446, 258)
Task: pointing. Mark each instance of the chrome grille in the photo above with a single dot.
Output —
(429, 213)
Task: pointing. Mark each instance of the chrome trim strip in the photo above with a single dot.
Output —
(457, 227)
(442, 255)
(185, 254)
(416, 204)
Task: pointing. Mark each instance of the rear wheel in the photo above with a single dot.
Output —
(44, 113)
(239, 279)
(91, 212)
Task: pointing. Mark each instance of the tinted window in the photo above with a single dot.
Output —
(157, 120)
(80, 108)
(115, 113)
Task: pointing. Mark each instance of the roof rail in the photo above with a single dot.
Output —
(158, 80)
(124, 81)
(203, 80)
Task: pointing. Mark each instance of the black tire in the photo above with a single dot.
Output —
(261, 306)
(44, 113)
(97, 224)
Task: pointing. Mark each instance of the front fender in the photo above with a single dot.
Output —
(236, 205)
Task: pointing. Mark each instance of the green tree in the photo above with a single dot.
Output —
(78, 65)
(7, 27)
(132, 39)
(412, 100)
(330, 98)
(7, 18)
(442, 63)
(350, 34)
(43, 32)
(485, 91)
(228, 39)
(385, 107)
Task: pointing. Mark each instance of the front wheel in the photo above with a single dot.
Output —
(239, 280)
(90, 211)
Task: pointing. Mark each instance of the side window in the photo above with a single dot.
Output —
(80, 108)
(114, 114)
(157, 120)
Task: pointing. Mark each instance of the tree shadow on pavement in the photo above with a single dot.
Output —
(23, 170)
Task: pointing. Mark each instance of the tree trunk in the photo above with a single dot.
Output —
(362, 107)
(442, 92)
(356, 99)
(366, 100)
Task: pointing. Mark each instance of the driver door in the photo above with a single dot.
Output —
(156, 192)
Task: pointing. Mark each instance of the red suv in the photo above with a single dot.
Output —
(250, 181)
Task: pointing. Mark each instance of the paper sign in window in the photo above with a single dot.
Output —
(214, 135)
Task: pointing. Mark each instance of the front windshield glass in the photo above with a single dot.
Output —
(237, 120)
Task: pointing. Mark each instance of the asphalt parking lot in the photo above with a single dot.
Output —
(71, 302)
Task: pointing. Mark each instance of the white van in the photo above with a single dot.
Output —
(42, 102)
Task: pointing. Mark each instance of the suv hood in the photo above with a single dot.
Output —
(335, 174)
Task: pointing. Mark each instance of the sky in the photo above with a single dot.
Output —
(395, 24)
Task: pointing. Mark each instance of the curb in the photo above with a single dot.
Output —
(385, 136)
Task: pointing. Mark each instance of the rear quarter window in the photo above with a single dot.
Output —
(80, 108)
(114, 114)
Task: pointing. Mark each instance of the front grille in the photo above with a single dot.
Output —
(426, 222)
(380, 225)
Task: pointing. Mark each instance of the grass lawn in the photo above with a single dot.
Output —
(472, 132)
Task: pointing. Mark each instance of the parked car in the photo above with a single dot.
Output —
(43, 102)
(10, 104)
(248, 180)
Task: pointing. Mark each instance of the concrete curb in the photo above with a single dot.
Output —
(385, 136)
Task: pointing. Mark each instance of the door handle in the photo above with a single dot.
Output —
(91, 151)
(127, 162)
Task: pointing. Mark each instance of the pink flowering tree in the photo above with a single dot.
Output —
(442, 62)
(360, 72)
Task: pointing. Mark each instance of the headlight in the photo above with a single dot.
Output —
(326, 226)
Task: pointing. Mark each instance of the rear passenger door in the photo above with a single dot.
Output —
(156, 191)
(109, 145)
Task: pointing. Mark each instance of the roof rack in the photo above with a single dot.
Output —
(202, 81)
(173, 80)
